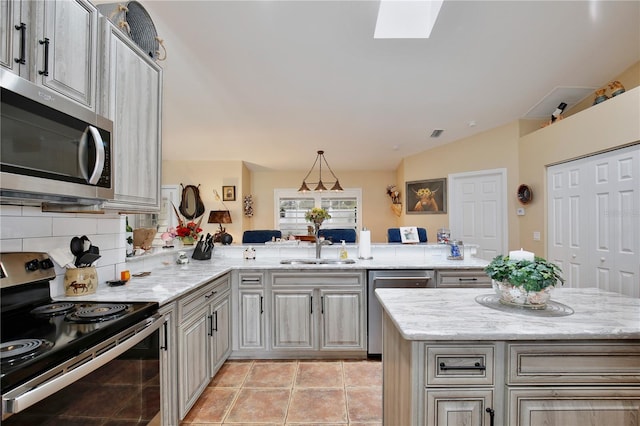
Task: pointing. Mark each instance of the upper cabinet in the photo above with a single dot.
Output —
(131, 88)
(52, 43)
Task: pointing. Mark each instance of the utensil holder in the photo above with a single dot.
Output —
(80, 281)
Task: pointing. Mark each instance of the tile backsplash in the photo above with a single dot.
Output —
(24, 228)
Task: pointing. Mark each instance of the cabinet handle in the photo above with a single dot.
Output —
(475, 366)
(311, 304)
(215, 314)
(165, 339)
(23, 28)
(210, 318)
(261, 309)
(468, 279)
(45, 72)
(322, 305)
(492, 414)
(210, 295)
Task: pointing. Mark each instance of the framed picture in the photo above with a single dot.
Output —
(427, 196)
(409, 235)
(228, 193)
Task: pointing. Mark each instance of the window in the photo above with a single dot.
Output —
(291, 206)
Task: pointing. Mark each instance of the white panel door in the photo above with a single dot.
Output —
(477, 210)
(567, 209)
(593, 220)
(617, 206)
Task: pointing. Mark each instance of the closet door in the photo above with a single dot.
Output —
(593, 227)
(615, 256)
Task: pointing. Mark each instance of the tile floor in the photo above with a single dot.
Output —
(292, 392)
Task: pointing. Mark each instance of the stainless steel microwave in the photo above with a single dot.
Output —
(52, 149)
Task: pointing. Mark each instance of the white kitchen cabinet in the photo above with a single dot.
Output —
(318, 311)
(52, 43)
(168, 366)
(132, 99)
(204, 339)
(251, 313)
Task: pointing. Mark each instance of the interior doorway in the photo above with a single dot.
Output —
(478, 210)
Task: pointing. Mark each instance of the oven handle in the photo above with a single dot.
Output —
(57, 378)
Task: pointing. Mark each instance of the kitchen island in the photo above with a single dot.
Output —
(449, 359)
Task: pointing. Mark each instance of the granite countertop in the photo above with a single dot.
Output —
(454, 314)
(168, 280)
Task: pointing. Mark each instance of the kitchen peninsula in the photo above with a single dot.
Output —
(449, 359)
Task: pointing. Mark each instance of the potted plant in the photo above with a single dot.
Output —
(524, 282)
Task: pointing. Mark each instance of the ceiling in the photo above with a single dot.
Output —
(271, 82)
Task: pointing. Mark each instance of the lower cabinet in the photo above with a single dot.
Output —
(509, 383)
(204, 339)
(455, 407)
(319, 311)
(168, 366)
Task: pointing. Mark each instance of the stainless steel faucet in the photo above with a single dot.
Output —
(319, 245)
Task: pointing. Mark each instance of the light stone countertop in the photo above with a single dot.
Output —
(169, 281)
(454, 314)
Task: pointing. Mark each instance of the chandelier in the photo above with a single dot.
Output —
(320, 185)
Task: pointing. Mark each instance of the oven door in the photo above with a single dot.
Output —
(118, 378)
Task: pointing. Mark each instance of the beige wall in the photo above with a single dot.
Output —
(611, 124)
(210, 175)
(493, 149)
(377, 214)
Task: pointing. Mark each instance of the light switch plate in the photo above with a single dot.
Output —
(536, 235)
(520, 211)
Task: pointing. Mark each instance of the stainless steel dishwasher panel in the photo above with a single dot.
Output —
(394, 278)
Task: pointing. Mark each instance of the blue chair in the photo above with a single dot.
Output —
(338, 234)
(260, 236)
(393, 235)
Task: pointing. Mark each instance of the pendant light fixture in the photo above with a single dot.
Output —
(320, 185)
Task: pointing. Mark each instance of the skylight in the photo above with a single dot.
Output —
(406, 18)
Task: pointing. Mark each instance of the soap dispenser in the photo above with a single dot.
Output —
(343, 251)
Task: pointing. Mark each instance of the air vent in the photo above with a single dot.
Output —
(436, 133)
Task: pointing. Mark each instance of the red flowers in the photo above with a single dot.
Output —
(191, 229)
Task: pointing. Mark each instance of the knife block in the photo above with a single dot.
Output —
(200, 254)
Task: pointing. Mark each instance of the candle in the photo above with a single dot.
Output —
(521, 255)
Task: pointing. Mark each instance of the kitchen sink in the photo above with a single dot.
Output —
(317, 261)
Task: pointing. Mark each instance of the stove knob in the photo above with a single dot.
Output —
(32, 265)
(46, 264)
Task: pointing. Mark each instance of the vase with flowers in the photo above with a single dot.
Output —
(525, 282)
(187, 232)
(316, 216)
(394, 194)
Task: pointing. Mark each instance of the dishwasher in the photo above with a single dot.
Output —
(396, 278)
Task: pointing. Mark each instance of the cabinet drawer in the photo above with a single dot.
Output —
(459, 365)
(463, 278)
(577, 363)
(202, 296)
(251, 279)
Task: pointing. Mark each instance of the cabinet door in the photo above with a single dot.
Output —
(574, 406)
(71, 28)
(292, 323)
(193, 358)
(10, 37)
(168, 366)
(220, 333)
(341, 313)
(134, 104)
(251, 319)
(455, 407)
